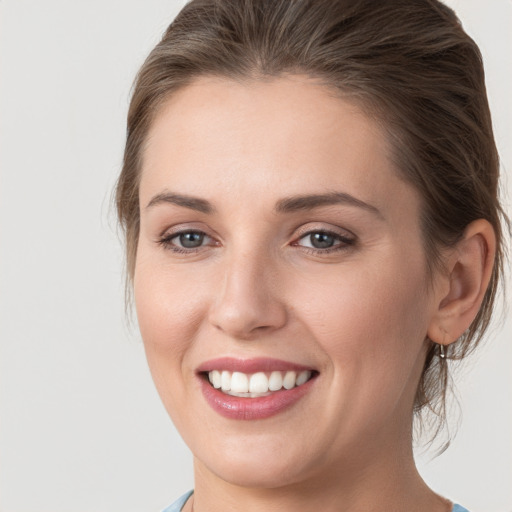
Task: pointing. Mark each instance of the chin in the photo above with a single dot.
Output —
(258, 461)
(257, 474)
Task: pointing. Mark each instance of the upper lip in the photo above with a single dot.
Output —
(260, 364)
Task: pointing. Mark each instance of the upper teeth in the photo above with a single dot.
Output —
(256, 384)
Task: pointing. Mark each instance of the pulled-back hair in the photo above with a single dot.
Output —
(407, 63)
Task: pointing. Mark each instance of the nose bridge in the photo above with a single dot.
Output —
(247, 301)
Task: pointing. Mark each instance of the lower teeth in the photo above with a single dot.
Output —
(246, 395)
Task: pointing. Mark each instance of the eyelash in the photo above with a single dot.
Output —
(343, 242)
(166, 241)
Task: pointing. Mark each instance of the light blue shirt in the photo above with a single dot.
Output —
(178, 505)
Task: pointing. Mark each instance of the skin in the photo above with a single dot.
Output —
(359, 315)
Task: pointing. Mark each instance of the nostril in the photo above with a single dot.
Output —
(246, 303)
(244, 322)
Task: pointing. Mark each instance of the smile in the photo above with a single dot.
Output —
(257, 384)
(254, 389)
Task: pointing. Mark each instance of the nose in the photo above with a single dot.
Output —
(247, 303)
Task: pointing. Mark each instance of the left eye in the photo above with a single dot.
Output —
(186, 240)
(323, 240)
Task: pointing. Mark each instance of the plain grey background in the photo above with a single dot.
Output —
(81, 427)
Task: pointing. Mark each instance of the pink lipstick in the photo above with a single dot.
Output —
(250, 389)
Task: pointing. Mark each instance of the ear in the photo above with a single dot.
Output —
(469, 268)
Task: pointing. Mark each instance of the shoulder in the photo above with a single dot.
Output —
(178, 504)
(458, 508)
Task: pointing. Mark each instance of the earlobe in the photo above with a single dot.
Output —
(469, 267)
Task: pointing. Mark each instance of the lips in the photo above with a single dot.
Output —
(253, 389)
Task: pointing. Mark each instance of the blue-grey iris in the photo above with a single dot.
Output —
(191, 240)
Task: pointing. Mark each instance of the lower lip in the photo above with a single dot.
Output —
(241, 408)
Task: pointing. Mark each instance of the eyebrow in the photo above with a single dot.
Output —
(285, 205)
(309, 202)
(194, 203)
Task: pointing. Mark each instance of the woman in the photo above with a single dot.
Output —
(309, 195)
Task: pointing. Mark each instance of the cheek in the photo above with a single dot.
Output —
(374, 299)
(169, 314)
(371, 325)
(168, 300)
(371, 320)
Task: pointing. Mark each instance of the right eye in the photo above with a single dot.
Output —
(185, 241)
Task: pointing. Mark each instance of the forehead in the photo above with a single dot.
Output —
(286, 134)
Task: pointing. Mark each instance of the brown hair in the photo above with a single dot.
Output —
(407, 62)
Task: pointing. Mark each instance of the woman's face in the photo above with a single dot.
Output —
(276, 237)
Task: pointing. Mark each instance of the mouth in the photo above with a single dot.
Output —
(257, 384)
(254, 389)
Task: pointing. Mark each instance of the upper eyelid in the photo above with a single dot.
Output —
(307, 229)
(177, 229)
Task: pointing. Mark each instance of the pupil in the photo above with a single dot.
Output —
(322, 240)
(191, 240)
